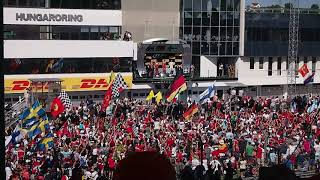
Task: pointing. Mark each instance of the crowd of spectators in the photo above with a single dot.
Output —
(230, 141)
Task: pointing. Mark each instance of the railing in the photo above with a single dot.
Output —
(281, 10)
(16, 109)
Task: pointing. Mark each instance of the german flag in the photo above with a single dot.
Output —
(193, 109)
(178, 86)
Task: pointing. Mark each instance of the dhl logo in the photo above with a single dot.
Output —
(21, 85)
(93, 83)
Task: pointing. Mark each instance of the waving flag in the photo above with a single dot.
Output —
(30, 116)
(178, 86)
(193, 109)
(64, 97)
(207, 94)
(17, 135)
(150, 96)
(306, 74)
(57, 107)
(38, 128)
(46, 142)
(158, 97)
(118, 86)
(111, 79)
(107, 98)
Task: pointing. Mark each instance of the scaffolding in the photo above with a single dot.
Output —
(293, 47)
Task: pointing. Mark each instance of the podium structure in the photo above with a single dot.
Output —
(45, 90)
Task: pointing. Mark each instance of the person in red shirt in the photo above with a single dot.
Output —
(112, 165)
(259, 155)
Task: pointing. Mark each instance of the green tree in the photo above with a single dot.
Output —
(314, 6)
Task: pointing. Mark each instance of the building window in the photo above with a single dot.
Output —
(279, 65)
(314, 60)
(251, 62)
(261, 62)
(270, 66)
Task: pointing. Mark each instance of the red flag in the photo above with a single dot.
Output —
(178, 86)
(56, 107)
(190, 112)
(107, 98)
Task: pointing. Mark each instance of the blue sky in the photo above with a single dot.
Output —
(303, 3)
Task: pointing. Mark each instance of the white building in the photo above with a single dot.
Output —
(84, 36)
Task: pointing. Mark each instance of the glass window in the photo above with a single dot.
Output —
(196, 5)
(11, 3)
(222, 48)
(205, 48)
(187, 34)
(206, 34)
(215, 19)
(205, 19)
(223, 18)
(197, 18)
(188, 5)
(235, 48)
(229, 48)
(261, 59)
(236, 5)
(229, 5)
(196, 34)
(230, 19)
(251, 62)
(223, 34)
(22, 3)
(188, 18)
(270, 66)
(94, 33)
(84, 33)
(104, 29)
(196, 48)
(279, 65)
(214, 48)
(223, 4)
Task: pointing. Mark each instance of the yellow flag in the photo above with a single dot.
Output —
(158, 97)
(111, 79)
(150, 96)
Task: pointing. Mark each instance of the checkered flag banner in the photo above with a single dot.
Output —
(118, 86)
(65, 99)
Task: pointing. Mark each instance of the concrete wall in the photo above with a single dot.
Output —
(147, 19)
(208, 66)
(258, 76)
(67, 48)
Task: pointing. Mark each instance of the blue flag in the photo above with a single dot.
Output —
(207, 94)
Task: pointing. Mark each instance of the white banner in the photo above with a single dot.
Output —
(34, 16)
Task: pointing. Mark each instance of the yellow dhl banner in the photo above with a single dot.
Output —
(68, 84)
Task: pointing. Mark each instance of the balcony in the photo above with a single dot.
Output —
(67, 48)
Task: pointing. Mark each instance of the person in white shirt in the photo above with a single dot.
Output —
(317, 150)
(8, 171)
